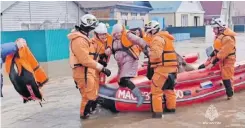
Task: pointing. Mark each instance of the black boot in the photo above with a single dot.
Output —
(157, 115)
(166, 110)
(86, 110)
(93, 107)
(228, 88)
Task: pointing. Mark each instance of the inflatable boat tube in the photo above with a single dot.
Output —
(189, 58)
(25, 74)
(192, 87)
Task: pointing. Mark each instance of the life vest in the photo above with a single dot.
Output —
(29, 75)
(218, 42)
(92, 52)
(127, 46)
(101, 47)
(169, 56)
(74, 61)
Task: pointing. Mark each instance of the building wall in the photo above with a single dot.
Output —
(190, 19)
(22, 13)
(144, 16)
(169, 18)
(102, 13)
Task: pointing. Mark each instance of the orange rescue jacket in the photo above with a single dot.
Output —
(169, 56)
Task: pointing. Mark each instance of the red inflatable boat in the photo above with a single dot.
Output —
(192, 87)
(189, 58)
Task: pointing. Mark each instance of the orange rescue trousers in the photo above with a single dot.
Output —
(89, 92)
(158, 89)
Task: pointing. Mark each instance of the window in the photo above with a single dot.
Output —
(184, 20)
(67, 25)
(31, 26)
(196, 21)
(124, 15)
(142, 14)
(133, 14)
(24, 26)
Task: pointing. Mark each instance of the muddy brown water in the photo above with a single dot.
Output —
(62, 101)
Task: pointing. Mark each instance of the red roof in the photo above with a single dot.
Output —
(212, 7)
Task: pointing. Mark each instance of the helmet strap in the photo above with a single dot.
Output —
(221, 30)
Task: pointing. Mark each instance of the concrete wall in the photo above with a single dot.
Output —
(117, 15)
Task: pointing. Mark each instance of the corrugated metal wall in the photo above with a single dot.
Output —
(56, 12)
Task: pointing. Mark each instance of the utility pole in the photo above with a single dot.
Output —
(230, 9)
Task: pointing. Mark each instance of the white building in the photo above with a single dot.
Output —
(35, 15)
(130, 13)
(178, 13)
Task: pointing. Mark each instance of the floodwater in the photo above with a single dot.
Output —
(62, 100)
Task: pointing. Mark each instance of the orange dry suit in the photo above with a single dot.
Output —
(164, 61)
(225, 53)
(29, 76)
(102, 57)
(84, 66)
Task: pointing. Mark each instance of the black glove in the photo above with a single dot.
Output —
(215, 61)
(201, 66)
(146, 51)
(103, 63)
(103, 56)
(106, 71)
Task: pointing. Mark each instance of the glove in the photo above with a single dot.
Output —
(146, 51)
(103, 63)
(201, 66)
(103, 56)
(106, 71)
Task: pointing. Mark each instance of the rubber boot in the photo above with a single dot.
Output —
(86, 112)
(139, 96)
(166, 110)
(228, 88)
(93, 107)
(156, 115)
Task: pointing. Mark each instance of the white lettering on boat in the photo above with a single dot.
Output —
(128, 95)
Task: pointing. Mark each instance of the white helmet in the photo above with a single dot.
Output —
(89, 21)
(218, 22)
(101, 28)
(152, 25)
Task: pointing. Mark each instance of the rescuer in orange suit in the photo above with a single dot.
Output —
(102, 41)
(224, 53)
(83, 63)
(163, 59)
(183, 65)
